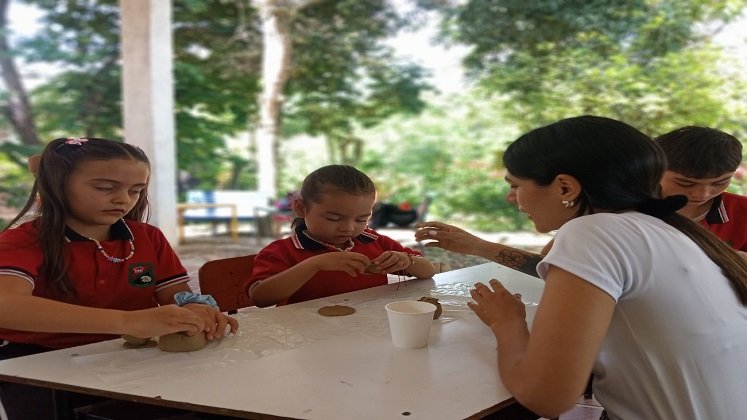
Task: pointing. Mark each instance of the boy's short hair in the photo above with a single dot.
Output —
(700, 152)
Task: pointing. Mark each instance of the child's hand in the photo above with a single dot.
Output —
(352, 263)
(162, 320)
(391, 261)
(215, 320)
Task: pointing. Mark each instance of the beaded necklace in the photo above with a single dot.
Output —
(109, 257)
(350, 243)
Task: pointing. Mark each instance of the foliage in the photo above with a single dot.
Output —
(15, 179)
(84, 98)
(21, 181)
(668, 92)
(646, 62)
(217, 48)
(450, 152)
(215, 54)
(344, 76)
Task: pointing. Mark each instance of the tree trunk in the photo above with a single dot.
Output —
(277, 17)
(276, 55)
(18, 109)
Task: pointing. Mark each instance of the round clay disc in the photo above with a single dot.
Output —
(336, 310)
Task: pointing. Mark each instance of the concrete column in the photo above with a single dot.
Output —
(148, 100)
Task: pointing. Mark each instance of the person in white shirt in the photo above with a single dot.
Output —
(649, 301)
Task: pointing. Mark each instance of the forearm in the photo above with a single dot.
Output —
(31, 313)
(514, 369)
(421, 268)
(281, 286)
(166, 296)
(512, 341)
(511, 257)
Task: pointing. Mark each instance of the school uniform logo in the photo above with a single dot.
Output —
(142, 275)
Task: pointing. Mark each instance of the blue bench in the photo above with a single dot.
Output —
(223, 206)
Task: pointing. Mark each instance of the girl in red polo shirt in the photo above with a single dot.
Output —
(331, 250)
(85, 268)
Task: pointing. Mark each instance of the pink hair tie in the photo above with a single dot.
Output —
(76, 141)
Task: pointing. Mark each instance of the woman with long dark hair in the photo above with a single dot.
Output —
(649, 301)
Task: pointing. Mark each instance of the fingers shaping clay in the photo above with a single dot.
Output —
(336, 310)
(373, 269)
(179, 342)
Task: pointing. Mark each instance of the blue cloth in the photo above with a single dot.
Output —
(183, 298)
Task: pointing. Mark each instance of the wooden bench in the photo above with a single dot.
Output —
(224, 206)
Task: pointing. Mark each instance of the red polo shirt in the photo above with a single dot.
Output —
(727, 219)
(99, 283)
(285, 253)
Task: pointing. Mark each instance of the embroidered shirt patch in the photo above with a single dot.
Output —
(141, 275)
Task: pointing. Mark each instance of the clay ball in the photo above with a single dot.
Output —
(179, 342)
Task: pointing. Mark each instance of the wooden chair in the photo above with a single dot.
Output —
(224, 280)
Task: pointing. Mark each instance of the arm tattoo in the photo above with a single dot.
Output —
(523, 261)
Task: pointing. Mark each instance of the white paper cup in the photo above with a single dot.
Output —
(410, 322)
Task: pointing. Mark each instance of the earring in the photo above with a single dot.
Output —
(568, 204)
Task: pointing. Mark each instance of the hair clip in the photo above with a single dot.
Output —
(78, 141)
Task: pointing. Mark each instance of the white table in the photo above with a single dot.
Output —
(292, 362)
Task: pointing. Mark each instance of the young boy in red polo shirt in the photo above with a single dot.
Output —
(331, 251)
(701, 162)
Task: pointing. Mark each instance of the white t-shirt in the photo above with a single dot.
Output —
(676, 347)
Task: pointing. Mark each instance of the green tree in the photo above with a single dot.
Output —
(451, 152)
(218, 47)
(14, 101)
(325, 66)
(647, 62)
(643, 62)
(356, 83)
(213, 69)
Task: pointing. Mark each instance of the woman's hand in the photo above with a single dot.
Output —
(391, 261)
(497, 308)
(215, 320)
(448, 237)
